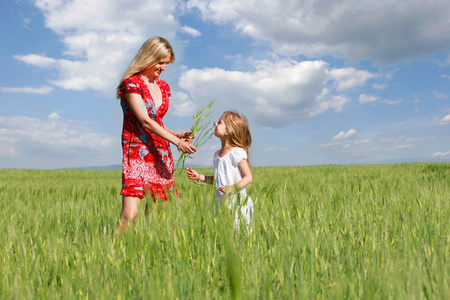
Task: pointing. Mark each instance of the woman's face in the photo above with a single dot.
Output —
(157, 69)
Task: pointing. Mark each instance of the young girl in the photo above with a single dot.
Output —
(231, 165)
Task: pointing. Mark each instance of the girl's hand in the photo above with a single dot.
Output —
(224, 189)
(192, 174)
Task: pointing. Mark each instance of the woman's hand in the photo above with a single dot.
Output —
(186, 147)
(185, 135)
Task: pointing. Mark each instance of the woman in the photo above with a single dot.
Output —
(147, 160)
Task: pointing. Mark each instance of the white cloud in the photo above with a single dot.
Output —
(54, 117)
(345, 135)
(376, 145)
(441, 154)
(27, 90)
(53, 142)
(398, 143)
(331, 144)
(368, 149)
(181, 104)
(82, 15)
(386, 31)
(98, 46)
(380, 143)
(350, 78)
(445, 120)
(381, 86)
(190, 31)
(276, 149)
(363, 98)
(38, 60)
(440, 95)
(363, 141)
(275, 93)
(392, 102)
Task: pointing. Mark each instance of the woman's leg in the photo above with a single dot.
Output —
(130, 208)
(155, 205)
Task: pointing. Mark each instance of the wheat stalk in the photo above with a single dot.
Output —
(202, 129)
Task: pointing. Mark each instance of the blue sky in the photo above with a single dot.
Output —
(321, 82)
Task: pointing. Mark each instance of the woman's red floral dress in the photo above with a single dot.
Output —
(147, 160)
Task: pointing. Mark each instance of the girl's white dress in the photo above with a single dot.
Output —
(226, 172)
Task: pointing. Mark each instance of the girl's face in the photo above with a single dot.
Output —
(157, 69)
(221, 129)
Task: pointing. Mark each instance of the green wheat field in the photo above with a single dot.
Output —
(318, 232)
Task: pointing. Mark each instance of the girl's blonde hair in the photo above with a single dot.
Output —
(150, 53)
(238, 131)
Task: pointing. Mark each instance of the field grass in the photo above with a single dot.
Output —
(322, 232)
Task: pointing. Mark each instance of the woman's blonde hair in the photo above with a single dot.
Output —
(150, 53)
(238, 131)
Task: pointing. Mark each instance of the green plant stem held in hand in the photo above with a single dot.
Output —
(202, 129)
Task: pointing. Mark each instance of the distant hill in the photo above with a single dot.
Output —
(119, 167)
(102, 168)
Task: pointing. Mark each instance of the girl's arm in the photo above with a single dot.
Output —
(194, 175)
(138, 107)
(247, 178)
